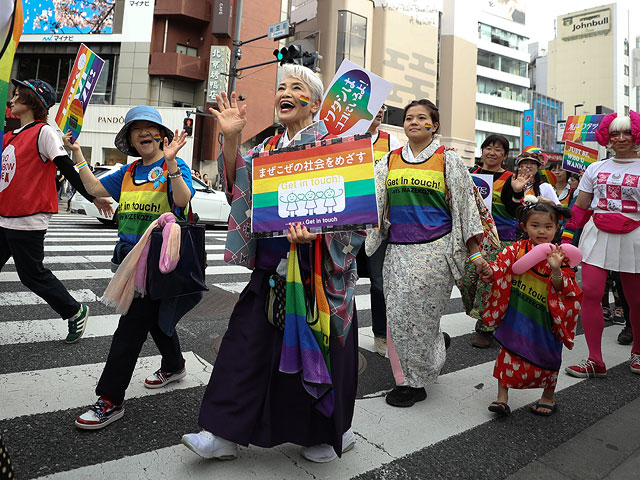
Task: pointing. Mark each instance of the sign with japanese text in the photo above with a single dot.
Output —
(327, 187)
(77, 94)
(577, 157)
(352, 100)
(527, 128)
(581, 127)
(219, 61)
(484, 183)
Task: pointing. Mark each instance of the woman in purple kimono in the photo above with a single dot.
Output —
(249, 400)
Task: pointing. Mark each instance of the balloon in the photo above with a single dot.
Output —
(539, 253)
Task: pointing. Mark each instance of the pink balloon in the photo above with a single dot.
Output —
(539, 253)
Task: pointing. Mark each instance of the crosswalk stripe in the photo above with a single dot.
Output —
(104, 248)
(32, 331)
(456, 403)
(44, 391)
(101, 259)
(8, 299)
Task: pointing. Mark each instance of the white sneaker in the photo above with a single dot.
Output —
(325, 453)
(207, 445)
(381, 345)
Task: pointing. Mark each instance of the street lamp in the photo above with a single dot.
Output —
(575, 108)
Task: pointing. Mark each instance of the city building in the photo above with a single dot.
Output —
(547, 112)
(156, 53)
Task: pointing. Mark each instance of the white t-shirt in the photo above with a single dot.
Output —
(50, 146)
(614, 186)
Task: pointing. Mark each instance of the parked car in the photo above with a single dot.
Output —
(210, 205)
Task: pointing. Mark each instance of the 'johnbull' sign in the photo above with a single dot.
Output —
(593, 22)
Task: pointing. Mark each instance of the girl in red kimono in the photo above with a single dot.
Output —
(537, 311)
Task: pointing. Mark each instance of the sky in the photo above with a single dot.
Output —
(540, 14)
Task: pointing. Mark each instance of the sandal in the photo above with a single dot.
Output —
(537, 405)
(499, 407)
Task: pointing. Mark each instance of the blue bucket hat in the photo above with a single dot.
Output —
(141, 112)
(43, 90)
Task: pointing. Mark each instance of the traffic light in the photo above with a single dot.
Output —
(290, 54)
(187, 126)
(312, 60)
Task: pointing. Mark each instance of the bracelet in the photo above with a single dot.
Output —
(81, 165)
(475, 256)
(559, 277)
(176, 174)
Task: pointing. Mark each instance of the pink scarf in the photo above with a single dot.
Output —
(131, 276)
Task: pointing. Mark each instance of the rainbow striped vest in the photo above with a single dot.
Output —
(418, 207)
(506, 224)
(141, 202)
(381, 146)
(526, 327)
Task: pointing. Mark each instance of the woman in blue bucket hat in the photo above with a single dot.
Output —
(156, 183)
(31, 155)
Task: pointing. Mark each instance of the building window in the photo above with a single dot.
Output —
(503, 116)
(502, 37)
(626, 90)
(187, 50)
(514, 142)
(626, 110)
(502, 89)
(626, 47)
(55, 70)
(352, 38)
(113, 156)
(626, 70)
(502, 63)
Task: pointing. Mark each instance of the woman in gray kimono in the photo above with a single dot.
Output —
(429, 213)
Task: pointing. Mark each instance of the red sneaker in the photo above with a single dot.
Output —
(587, 368)
(101, 414)
(635, 363)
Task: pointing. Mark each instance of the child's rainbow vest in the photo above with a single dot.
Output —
(526, 327)
(418, 207)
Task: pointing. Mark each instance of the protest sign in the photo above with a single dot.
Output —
(581, 127)
(578, 157)
(352, 100)
(327, 187)
(82, 80)
(10, 31)
(484, 183)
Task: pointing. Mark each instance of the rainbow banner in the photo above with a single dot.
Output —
(581, 128)
(10, 31)
(327, 187)
(77, 93)
(578, 157)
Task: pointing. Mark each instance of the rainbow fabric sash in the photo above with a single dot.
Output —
(305, 345)
(10, 31)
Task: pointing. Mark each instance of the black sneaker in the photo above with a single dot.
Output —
(626, 336)
(482, 340)
(447, 340)
(405, 396)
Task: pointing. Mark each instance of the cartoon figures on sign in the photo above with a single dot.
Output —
(305, 200)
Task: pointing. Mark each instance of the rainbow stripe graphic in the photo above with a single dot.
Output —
(532, 149)
(428, 127)
(10, 31)
(82, 80)
(326, 187)
(157, 138)
(582, 128)
(304, 101)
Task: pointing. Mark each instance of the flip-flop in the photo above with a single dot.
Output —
(500, 407)
(537, 405)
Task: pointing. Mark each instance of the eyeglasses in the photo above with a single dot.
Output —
(383, 108)
(626, 133)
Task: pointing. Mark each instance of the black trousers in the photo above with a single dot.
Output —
(27, 249)
(140, 320)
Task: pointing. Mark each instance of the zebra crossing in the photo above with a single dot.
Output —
(45, 384)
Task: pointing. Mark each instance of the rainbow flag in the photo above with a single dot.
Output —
(10, 31)
(326, 187)
(581, 128)
(77, 93)
(305, 343)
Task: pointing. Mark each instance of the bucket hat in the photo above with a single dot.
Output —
(43, 90)
(141, 112)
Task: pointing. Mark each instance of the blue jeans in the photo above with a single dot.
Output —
(378, 306)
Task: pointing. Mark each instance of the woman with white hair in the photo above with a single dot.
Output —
(608, 208)
(249, 400)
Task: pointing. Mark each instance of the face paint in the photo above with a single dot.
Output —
(428, 127)
(157, 138)
(304, 101)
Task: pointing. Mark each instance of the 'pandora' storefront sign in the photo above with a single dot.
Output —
(594, 22)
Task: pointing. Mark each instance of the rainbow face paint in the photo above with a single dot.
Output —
(428, 127)
(304, 101)
(157, 138)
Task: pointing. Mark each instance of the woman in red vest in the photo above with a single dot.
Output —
(30, 157)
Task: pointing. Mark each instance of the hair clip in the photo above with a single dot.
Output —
(529, 201)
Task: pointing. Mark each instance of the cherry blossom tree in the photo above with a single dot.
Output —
(76, 16)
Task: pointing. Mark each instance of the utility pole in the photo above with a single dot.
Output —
(236, 48)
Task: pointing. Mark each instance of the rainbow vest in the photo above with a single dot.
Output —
(418, 207)
(566, 200)
(141, 202)
(526, 327)
(381, 146)
(506, 225)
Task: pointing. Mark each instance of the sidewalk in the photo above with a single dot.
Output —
(607, 450)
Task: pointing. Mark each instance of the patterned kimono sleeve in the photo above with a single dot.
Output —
(242, 161)
(564, 307)
(500, 287)
(375, 237)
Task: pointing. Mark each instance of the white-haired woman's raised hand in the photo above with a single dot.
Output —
(231, 118)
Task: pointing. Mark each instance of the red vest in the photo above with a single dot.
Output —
(27, 184)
